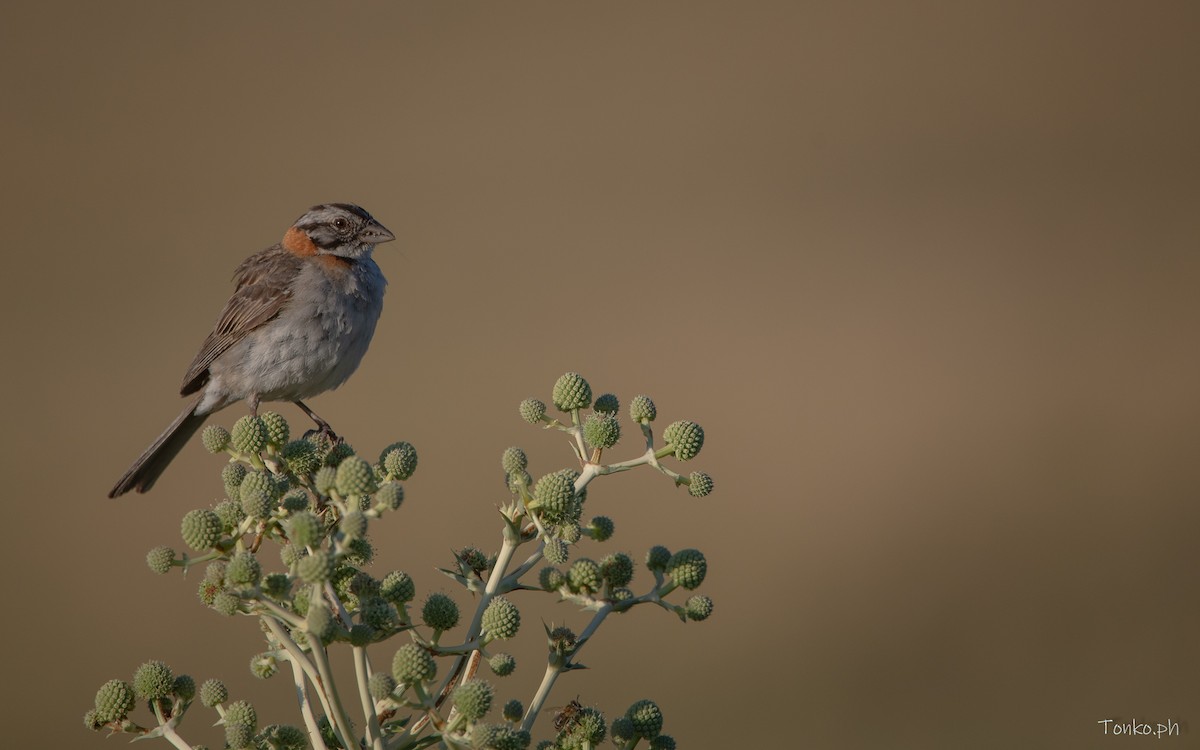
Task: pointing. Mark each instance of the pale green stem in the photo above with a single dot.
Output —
(362, 672)
(168, 729)
(553, 671)
(310, 721)
(340, 719)
(297, 657)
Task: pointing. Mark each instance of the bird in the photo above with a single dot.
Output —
(298, 324)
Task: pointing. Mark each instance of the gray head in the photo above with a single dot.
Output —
(342, 229)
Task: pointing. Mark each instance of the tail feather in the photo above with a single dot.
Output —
(150, 465)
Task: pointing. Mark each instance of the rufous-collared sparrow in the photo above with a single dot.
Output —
(297, 325)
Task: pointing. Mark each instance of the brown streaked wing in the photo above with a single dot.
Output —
(263, 288)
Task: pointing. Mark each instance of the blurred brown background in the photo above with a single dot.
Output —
(927, 274)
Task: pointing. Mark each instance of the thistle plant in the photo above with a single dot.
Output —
(289, 546)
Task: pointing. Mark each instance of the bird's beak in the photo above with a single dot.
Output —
(375, 233)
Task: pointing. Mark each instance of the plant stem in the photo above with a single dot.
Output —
(340, 720)
(310, 721)
(362, 673)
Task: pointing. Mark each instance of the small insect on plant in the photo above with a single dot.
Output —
(567, 715)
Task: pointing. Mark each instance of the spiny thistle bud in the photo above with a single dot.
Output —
(687, 568)
(381, 685)
(249, 435)
(316, 567)
(555, 496)
(359, 552)
(277, 585)
(354, 524)
(501, 620)
(532, 410)
(263, 666)
(686, 437)
(277, 428)
(502, 664)
(569, 532)
(551, 579)
(377, 613)
(413, 664)
(232, 476)
(304, 529)
(244, 569)
(364, 585)
(657, 558)
(207, 592)
(319, 621)
(259, 494)
(617, 569)
(699, 484)
(153, 680)
(647, 719)
(201, 529)
(472, 559)
(399, 460)
(588, 727)
(622, 731)
(642, 410)
(473, 699)
(439, 612)
(241, 712)
(160, 558)
(296, 500)
(584, 576)
(355, 477)
(390, 495)
(325, 480)
(215, 438)
(226, 604)
(698, 607)
(601, 528)
(607, 403)
(290, 554)
(571, 391)
(514, 460)
(213, 693)
(556, 551)
(621, 595)
(601, 430)
(362, 634)
(337, 453)
(562, 640)
(114, 701)
(238, 736)
(398, 587)
(184, 687)
(283, 737)
(301, 457)
(230, 513)
(663, 742)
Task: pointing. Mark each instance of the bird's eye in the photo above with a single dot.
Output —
(339, 224)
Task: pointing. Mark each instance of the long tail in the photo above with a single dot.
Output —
(150, 465)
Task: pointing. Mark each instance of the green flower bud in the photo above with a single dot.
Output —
(473, 699)
(587, 727)
(399, 460)
(518, 740)
(295, 501)
(277, 428)
(381, 685)
(551, 579)
(153, 680)
(647, 719)
(601, 528)
(290, 554)
(663, 742)
(570, 532)
(398, 587)
(238, 736)
(607, 403)
(337, 453)
(114, 701)
(439, 612)
(304, 529)
(617, 569)
(263, 666)
(160, 558)
(277, 586)
(301, 600)
(241, 712)
(213, 693)
(226, 604)
(377, 613)
(301, 457)
(232, 476)
(184, 687)
(601, 430)
(215, 439)
(316, 567)
(513, 711)
(514, 460)
(501, 620)
(657, 558)
(532, 410)
(215, 572)
(555, 496)
(359, 552)
(562, 640)
(363, 585)
(687, 568)
(362, 634)
(325, 480)
(556, 551)
(284, 737)
(200, 529)
(621, 595)
(622, 731)
(230, 513)
(244, 569)
(699, 484)
(642, 410)
(584, 576)
(472, 559)
(571, 391)
(319, 622)
(208, 591)
(686, 437)
(698, 607)
(413, 664)
(502, 664)
(390, 495)
(354, 524)
(355, 477)
(259, 494)
(91, 720)
(249, 435)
